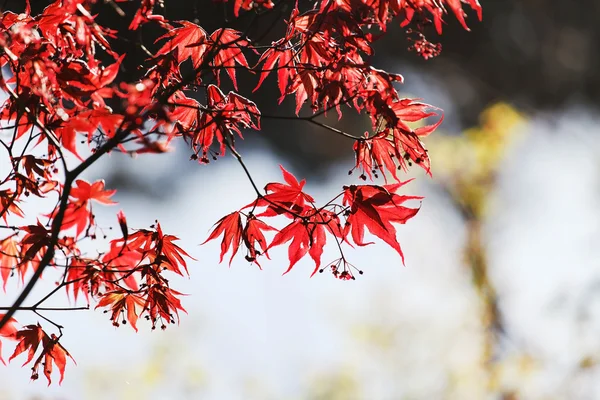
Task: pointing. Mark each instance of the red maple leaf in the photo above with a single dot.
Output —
(437, 9)
(162, 305)
(281, 198)
(30, 338)
(305, 85)
(171, 255)
(306, 238)
(33, 247)
(374, 154)
(85, 276)
(376, 208)
(76, 215)
(123, 303)
(228, 44)
(189, 41)
(78, 212)
(144, 14)
(35, 167)
(185, 114)
(84, 192)
(281, 56)
(9, 258)
(8, 331)
(230, 226)
(223, 115)
(235, 233)
(406, 143)
(8, 202)
(119, 262)
(254, 237)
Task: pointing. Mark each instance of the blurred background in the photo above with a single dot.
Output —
(500, 296)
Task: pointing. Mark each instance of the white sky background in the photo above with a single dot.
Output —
(256, 334)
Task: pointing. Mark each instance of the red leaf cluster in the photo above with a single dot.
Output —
(363, 207)
(132, 276)
(53, 353)
(69, 102)
(78, 212)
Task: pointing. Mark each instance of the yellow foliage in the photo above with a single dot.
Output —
(467, 164)
(382, 337)
(339, 385)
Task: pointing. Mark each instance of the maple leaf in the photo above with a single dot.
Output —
(10, 112)
(406, 141)
(85, 192)
(391, 149)
(307, 237)
(228, 43)
(224, 115)
(141, 240)
(67, 135)
(85, 276)
(241, 111)
(286, 67)
(103, 119)
(155, 247)
(375, 208)
(144, 14)
(188, 41)
(281, 198)
(7, 331)
(30, 338)
(413, 149)
(375, 153)
(456, 7)
(230, 226)
(437, 9)
(77, 213)
(33, 247)
(253, 236)
(171, 254)
(317, 51)
(9, 258)
(119, 262)
(185, 114)
(305, 86)
(410, 110)
(234, 234)
(88, 123)
(162, 304)
(299, 233)
(383, 83)
(121, 303)
(8, 202)
(35, 167)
